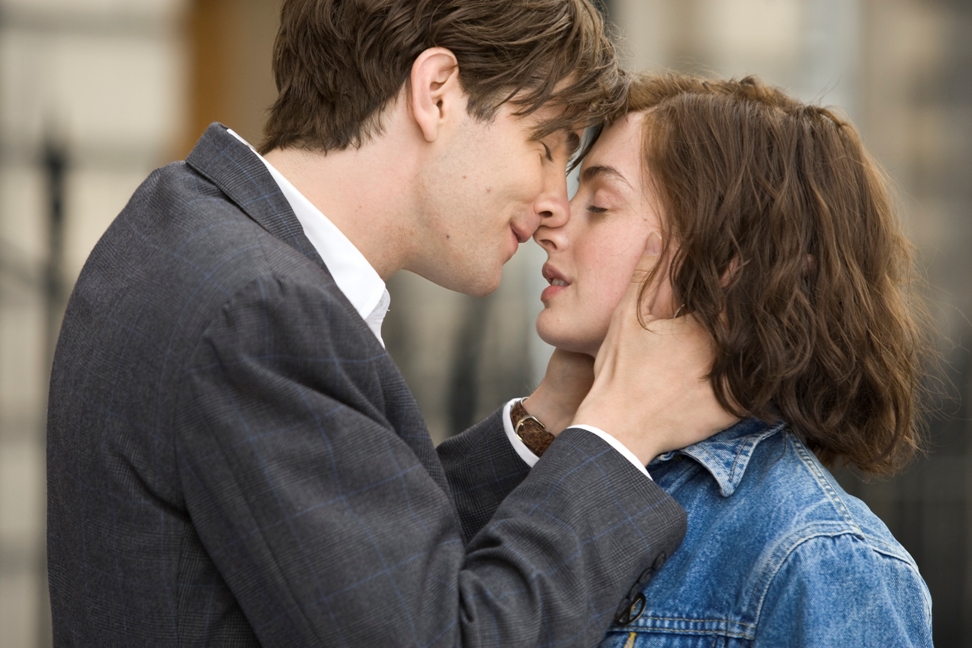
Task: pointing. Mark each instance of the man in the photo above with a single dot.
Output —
(233, 457)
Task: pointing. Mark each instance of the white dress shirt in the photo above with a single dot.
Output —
(366, 291)
(351, 271)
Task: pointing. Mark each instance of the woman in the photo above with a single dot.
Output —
(767, 222)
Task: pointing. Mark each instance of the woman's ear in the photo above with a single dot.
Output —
(657, 298)
(434, 90)
(653, 245)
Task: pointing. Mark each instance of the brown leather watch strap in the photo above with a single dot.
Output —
(530, 430)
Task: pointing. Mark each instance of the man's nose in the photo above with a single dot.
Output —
(552, 205)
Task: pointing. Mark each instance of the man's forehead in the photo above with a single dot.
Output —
(552, 119)
(555, 134)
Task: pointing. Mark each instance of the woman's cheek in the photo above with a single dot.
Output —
(599, 315)
(615, 293)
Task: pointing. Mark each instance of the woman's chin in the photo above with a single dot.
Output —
(565, 339)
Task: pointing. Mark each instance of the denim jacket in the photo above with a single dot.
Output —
(776, 554)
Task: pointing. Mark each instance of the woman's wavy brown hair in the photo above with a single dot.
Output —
(786, 246)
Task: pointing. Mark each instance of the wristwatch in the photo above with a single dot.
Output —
(529, 428)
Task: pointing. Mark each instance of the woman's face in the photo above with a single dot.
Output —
(592, 257)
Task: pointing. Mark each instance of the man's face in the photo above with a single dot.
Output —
(485, 189)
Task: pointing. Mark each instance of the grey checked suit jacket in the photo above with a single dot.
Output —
(234, 460)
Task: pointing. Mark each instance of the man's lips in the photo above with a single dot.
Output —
(521, 234)
(557, 282)
(514, 245)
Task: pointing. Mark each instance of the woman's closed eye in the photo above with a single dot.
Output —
(595, 209)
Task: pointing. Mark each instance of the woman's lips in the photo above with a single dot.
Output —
(557, 283)
(550, 291)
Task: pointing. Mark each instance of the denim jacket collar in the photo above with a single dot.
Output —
(726, 454)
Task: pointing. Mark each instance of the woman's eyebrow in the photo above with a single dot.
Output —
(591, 173)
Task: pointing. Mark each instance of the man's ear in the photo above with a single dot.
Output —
(435, 91)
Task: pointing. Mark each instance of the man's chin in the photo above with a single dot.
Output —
(481, 285)
(474, 285)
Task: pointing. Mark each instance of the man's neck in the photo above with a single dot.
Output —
(363, 191)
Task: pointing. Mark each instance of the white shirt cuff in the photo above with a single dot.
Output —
(531, 459)
(525, 453)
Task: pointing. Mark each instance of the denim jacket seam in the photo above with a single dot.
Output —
(840, 507)
(641, 627)
(770, 575)
(890, 553)
(908, 562)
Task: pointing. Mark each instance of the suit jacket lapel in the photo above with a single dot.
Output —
(239, 173)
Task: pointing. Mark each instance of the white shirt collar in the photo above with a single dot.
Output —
(355, 277)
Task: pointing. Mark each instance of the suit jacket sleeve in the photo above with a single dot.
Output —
(482, 468)
(329, 530)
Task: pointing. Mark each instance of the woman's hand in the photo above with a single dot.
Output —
(568, 379)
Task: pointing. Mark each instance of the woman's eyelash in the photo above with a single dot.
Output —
(594, 209)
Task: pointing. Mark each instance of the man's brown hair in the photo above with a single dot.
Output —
(786, 246)
(339, 63)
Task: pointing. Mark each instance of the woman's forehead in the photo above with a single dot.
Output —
(618, 149)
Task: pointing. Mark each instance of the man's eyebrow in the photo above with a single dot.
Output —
(591, 173)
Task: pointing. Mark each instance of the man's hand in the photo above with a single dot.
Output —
(568, 379)
(650, 389)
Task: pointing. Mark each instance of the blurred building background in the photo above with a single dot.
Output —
(96, 93)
